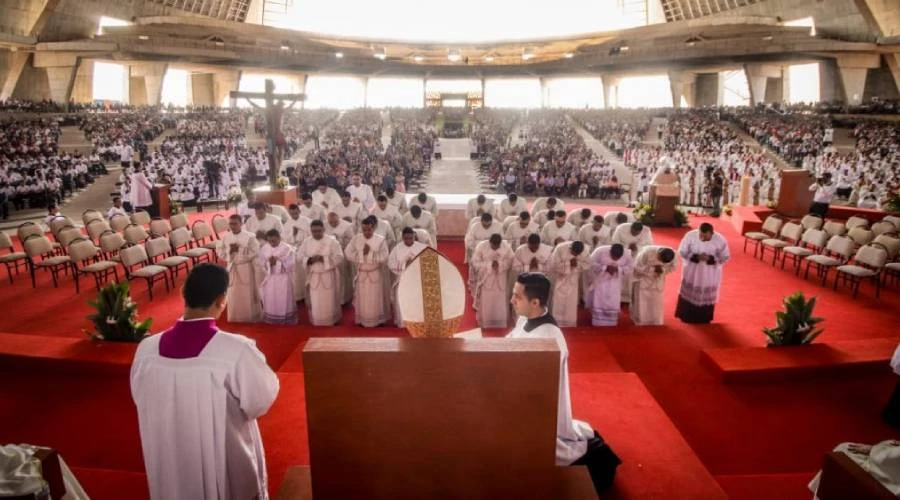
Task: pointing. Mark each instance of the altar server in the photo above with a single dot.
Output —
(322, 256)
(703, 252)
(609, 264)
(651, 267)
(238, 249)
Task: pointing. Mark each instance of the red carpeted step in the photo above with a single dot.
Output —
(755, 487)
(107, 484)
(657, 461)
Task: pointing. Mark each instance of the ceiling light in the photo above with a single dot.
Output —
(285, 47)
(380, 54)
(143, 37)
(690, 42)
(623, 48)
(767, 38)
(339, 55)
(220, 43)
(453, 55)
(418, 58)
(489, 57)
(527, 54)
(568, 55)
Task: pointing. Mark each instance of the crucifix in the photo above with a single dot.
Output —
(274, 112)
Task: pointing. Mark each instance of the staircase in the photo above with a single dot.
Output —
(750, 141)
(623, 173)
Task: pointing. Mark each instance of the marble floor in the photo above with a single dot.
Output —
(455, 172)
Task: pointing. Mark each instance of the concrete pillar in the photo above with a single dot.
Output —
(543, 82)
(137, 91)
(682, 85)
(893, 63)
(786, 84)
(610, 91)
(202, 91)
(223, 83)
(83, 89)
(774, 90)
(365, 81)
(720, 89)
(61, 80)
(853, 69)
(11, 66)
(152, 75)
(758, 76)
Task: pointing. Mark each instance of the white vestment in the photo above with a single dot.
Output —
(606, 290)
(700, 281)
(362, 194)
(385, 230)
(398, 259)
(312, 212)
(398, 201)
(516, 235)
(352, 213)
(551, 232)
(576, 220)
(610, 219)
(572, 435)
(323, 279)
(647, 296)
(592, 239)
(473, 209)
(507, 208)
(881, 461)
(566, 283)
(243, 299)
(371, 299)
(140, 191)
(295, 231)
(197, 418)
(492, 285)
(277, 288)
(622, 235)
(328, 200)
(523, 256)
(540, 205)
(343, 233)
(478, 233)
(391, 215)
(425, 221)
(429, 206)
(257, 226)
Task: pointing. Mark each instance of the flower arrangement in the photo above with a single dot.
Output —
(643, 213)
(234, 195)
(115, 316)
(893, 203)
(795, 325)
(727, 209)
(771, 204)
(282, 182)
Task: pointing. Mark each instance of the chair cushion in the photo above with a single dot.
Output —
(98, 267)
(196, 252)
(148, 271)
(824, 260)
(798, 251)
(212, 245)
(12, 256)
(857, 271)
(173, 261)
(756, 236)
(892, 266)
(54, 261)
(774, 242)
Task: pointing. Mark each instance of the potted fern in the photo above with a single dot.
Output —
(796, 325)
(115, 316)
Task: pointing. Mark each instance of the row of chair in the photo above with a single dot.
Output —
(857, 253)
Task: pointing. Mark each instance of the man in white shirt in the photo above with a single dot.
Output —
(387, 212)
(199, 392)
(512, 205)
(417, 218)
(369, 254)
(558, 230)
(576, 442)
(325, 196)
(261, 221)
(825, 191)
(518, 232)
(361, 193)
(427, 203)
(239, 248)
(116, 209)
(479, 205)
(309, 209)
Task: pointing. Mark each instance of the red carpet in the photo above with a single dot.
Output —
(760, 440)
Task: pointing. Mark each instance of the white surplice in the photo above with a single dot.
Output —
(242, 296)
(312, 212)
(606, 290)
(391, 215)
(398, 201)
(540, 205)
(476, 233)
(385, 230)
(323, 279)
(371, 298)
(551, 232)
(507, 208)
(295, 231)
(647, 299)
(197, 418)
(622, 235)
(516, 235)
(425, 221)
(352, 212)
(572, 435)
(429, 206)
(256, 225)
(473, 209)
(700, 282)
(277, 288)
(328, 200)
(492, 285)
(343, 233)
(398, 259)
(592, 238)
(363, 195)
(566, 283)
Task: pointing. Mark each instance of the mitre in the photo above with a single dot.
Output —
(431, 296)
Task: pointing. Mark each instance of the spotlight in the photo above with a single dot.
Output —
(339, 55)
(623, 48)
(527, 54)
(489, 58)
(417, 58)
(767, 38)
(380, 54)
(143, 37)
(220, 43)
(568, 55)
(454, 56)
(285, 47)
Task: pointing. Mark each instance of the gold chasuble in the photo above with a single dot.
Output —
(431, 295)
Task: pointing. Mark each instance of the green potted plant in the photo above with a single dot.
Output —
(681, 218)
(114, 319)
(893, 203)
(796, 325)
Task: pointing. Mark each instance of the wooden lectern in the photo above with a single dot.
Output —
(795, 198)
(283, 197)
(664, 197)
(435, 418)
(160, 195)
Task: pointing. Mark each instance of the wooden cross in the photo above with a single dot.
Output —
(274, 111)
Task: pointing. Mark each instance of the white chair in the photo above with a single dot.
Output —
(893, 219)
(67, 235)
(111, 243)
(97, 227)
(812, 242)
(13, 259)
(41, 255)
(135, 234)
(134, 259)
(770, 228)
(834, 228)
(119, 222)
(856, 221)
(84, 261)
(90, 215)
(789, 235)
(181, 238)
(837, 252)
(179, 220)
(141, 218)
(883, 227)
(812, 221)
(890, 243)
(219, 224)
(160, 227)
(158, 252)
(60, 222)
(861, 235)
(203, 235)
(867, 265)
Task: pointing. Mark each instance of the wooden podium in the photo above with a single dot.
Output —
(160, 195)
(435, 418)
(663, 199)
(795, 198)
